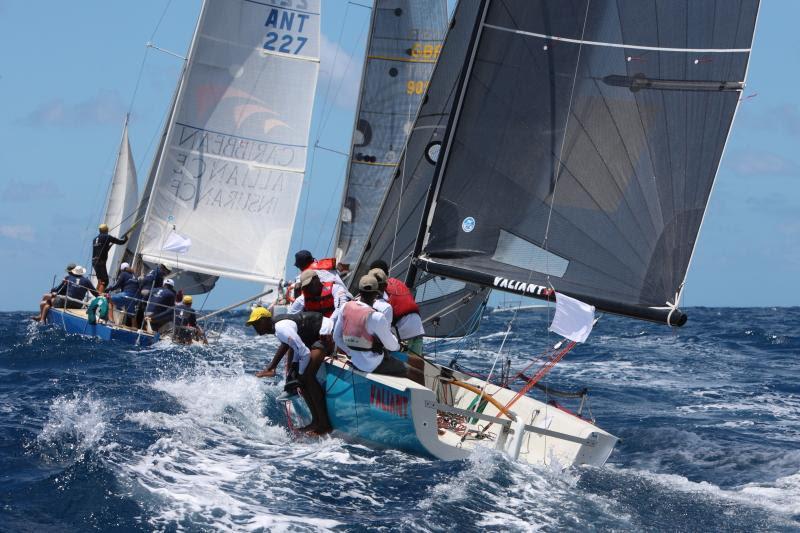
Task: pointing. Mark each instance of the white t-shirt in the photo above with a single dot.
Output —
(286, 331)
(410, 326)
(378, 326)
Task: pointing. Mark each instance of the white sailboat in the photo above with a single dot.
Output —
(576, 166)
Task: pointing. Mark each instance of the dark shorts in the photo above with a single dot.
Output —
(101, 272)
(61, 302)
(391, 367)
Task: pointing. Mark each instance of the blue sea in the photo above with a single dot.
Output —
(100, 436)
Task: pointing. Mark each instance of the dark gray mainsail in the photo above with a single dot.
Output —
(405, 41)
(586, 147)
(449, 308)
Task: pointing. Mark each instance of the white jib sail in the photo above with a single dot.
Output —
(231, 173)
(123, 199)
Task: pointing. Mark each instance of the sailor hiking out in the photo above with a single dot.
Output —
(307, 337)
(405, 311)
(318, 296)
(125, 301)
(159, 310)
(69, 294)
(185, 328)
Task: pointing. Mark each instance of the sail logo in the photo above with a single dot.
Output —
(388, 401)
(521, 287)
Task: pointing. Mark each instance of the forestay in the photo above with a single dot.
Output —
(447, 307)
(404, 44)
(586, 148)
(231, 170)
(123, 197)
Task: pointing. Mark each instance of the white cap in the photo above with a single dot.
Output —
(123, 266)
(169, 282)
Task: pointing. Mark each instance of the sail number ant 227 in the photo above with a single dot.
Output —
(287, 24)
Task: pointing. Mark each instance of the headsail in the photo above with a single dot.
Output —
(449, 308)
(231, 168)
(123, 197)
(404, 43)
(586, 148)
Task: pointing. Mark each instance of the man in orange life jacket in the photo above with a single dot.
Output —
(326, 270)
(307, 337)
(364, 334)
(317, 296)
(405, 310)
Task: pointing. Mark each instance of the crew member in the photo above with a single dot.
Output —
(125, 301)
(406, 319)
(365, 335)
(159, 310)
(308, 336)
(150, 282)
(185, 328)
(326, 270)
(69, 294)
(100, 246)
(318, 296)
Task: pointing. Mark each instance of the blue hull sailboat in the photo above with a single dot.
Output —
(74, 321)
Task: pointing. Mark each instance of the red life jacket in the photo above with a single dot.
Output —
(401, 299)
(324, 303)
(329, 263)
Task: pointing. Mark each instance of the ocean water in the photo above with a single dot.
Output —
(102, 436)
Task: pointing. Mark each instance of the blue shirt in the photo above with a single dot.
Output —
(75, 287)
(126, 282)
(153, 275)
(160, 304)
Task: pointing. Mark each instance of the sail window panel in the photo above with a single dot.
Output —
(627, 169)
(694, 24)
(436, 287)
(524, 254)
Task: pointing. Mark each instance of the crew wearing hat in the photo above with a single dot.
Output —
(100, 247)
(326, 270)
(307, 336)
(318, 296)
(381, 303)
(69, 294)
(159, 310)
(185, 328)
(365, 335)
(125, 301)
(406, 318)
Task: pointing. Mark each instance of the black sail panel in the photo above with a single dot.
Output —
(448, 308)
(587, 145)
(405, 42)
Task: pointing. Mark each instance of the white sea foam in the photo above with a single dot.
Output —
(74, 424)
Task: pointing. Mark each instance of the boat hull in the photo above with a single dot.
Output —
(392, 412)
(75, 321)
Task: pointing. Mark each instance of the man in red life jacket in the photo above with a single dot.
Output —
(326, 270)
(405, 310)
(318, 296)
(365, 335)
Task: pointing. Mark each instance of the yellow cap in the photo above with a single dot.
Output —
(187, 300)
(257, 314)
(103, 227)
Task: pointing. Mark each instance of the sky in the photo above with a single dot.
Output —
(69, 72)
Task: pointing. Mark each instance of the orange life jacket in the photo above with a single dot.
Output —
(324, 303)
(329, 263)
(401, 299)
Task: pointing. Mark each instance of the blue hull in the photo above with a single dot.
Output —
(73, 323)
(370, 411)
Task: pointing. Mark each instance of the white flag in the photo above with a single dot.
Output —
(177, 243)
(573, 319)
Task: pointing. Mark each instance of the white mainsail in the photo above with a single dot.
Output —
(230, 175)
(123, 198)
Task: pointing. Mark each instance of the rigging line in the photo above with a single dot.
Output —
(144, 57)
(402, 186)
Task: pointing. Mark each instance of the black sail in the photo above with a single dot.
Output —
(587, 145)
(449, 308)
(405, 41)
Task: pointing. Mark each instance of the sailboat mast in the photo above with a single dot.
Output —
(440, 163)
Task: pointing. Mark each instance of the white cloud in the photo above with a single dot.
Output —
(761, 163)
(17, 232)
(106, 107)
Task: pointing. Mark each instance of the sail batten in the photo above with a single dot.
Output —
(591, 131)
(231, 170)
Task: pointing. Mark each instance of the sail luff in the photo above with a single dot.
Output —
(430, 201)
(122, 199)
